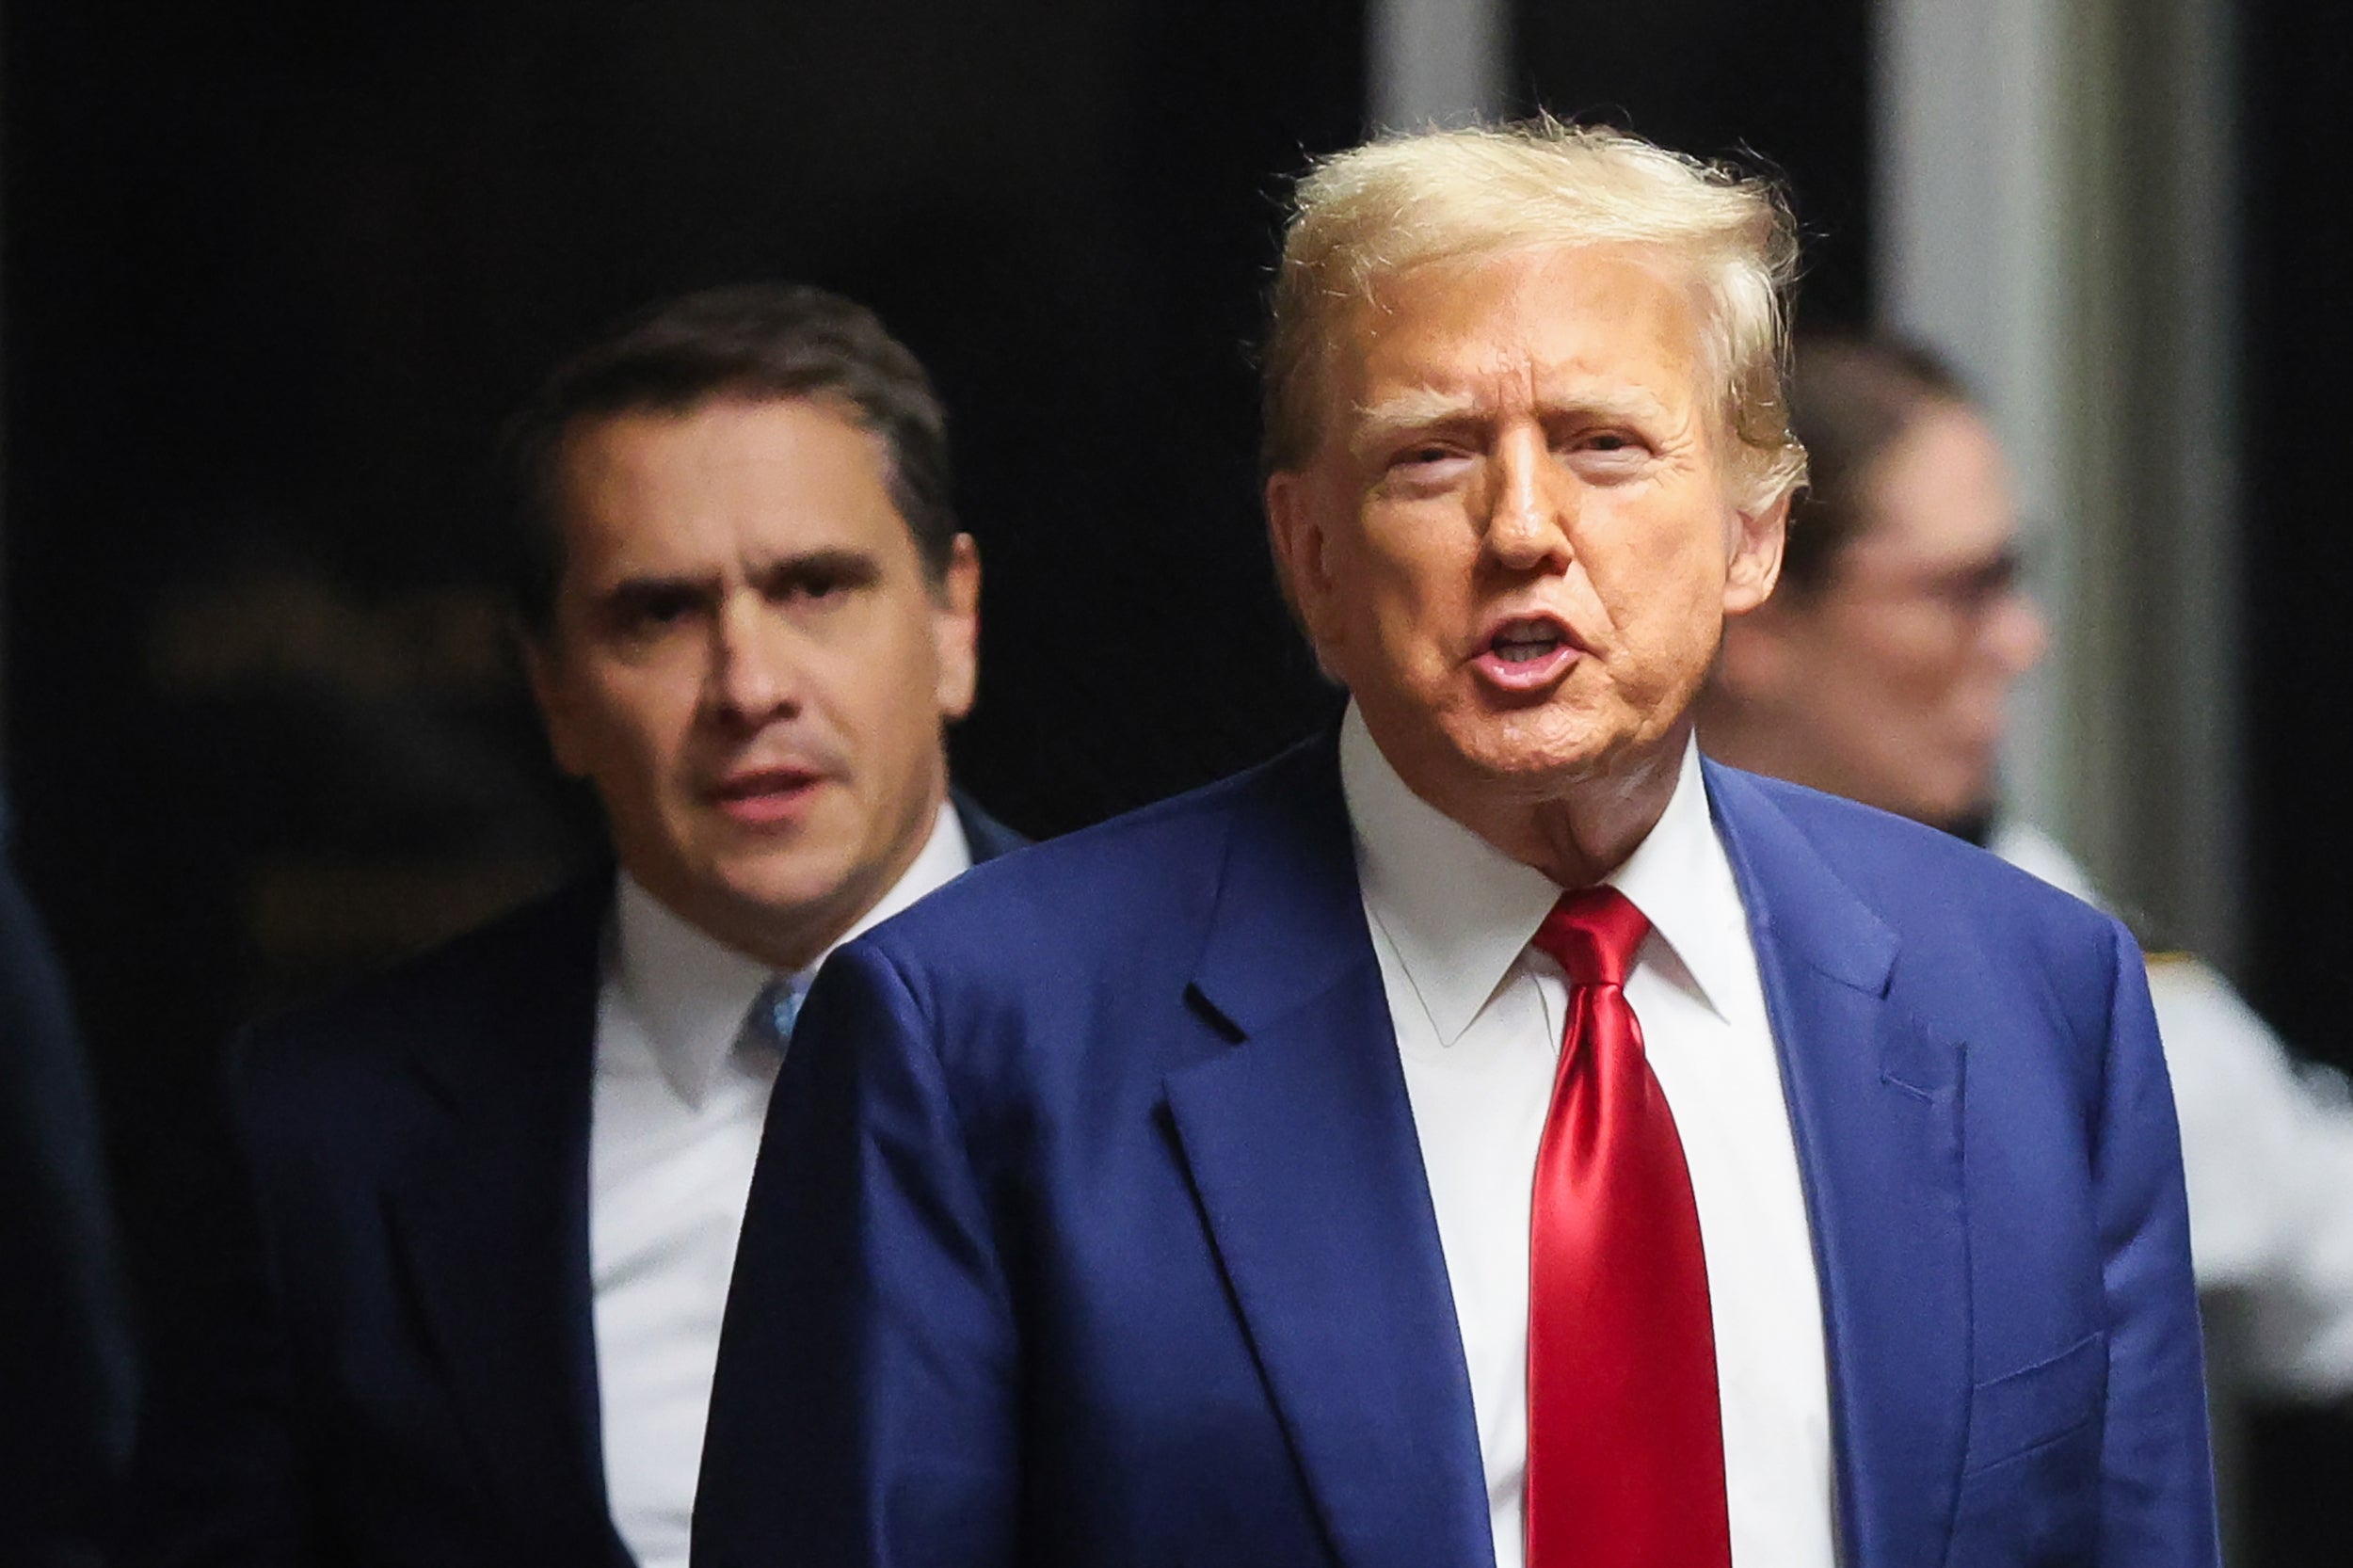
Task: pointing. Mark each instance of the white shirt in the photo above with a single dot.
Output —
(1478, 1017)
(679, 1097)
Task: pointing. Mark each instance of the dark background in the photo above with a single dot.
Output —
(273, 272)
(2296, 232)
(276, 271)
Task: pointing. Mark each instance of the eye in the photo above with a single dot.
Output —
(643, 610)
(820, 580)
(813, 585)
(1423, 473)
(1605, 453)
(1975, 589)
(1429, 463)
(1608, 440)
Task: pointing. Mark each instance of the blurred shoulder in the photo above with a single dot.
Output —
(1150, 871)
(491, 981)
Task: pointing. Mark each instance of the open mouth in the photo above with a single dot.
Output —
(1526, 652)
(1522, 642)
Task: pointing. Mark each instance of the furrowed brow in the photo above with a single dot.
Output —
(1607, 404)
(1380, 423)
(655, 585)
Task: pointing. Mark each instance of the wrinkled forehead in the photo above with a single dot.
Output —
(1556, 322)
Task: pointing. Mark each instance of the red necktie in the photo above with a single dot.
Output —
(1626, 1449)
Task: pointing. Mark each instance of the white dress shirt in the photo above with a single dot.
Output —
(1478, 1017)
(681, 1093)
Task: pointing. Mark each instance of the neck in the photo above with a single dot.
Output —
(788, 936)
(1578, 835)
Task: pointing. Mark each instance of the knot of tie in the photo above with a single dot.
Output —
(770, 1021)
(1591, 933)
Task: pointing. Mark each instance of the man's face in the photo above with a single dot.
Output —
(1887, 683)
(749, 664)
(1515, 545)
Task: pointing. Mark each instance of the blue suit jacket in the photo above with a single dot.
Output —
(400, 1367)
(1091, 1229)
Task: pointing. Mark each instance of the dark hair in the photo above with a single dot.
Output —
(757, 343)
(1849, 400)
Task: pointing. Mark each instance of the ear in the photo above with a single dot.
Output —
(543, 666)
(1298, 538)
(957, 628)
(1754, 566)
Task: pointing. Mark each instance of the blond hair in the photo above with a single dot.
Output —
(1408, 201)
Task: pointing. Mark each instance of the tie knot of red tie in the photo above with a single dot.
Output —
(1591, 933)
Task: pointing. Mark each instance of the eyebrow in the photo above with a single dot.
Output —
(841, 567)
(1379, 422)
(1424, 409)
(845, 567)
(619, 603)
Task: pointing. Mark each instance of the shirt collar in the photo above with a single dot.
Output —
(691, 992)
(1459, 913)
(1680, 878)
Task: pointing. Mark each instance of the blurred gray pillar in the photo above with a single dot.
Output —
(2054, 214)
(1437, 61)
(1971, 257)
(6, 716)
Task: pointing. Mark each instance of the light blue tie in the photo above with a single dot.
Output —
(774, 1012)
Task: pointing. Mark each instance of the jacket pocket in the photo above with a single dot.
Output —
(2037, 1404)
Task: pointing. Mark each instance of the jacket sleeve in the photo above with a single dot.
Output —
(2156, 1479)
(865, 1408)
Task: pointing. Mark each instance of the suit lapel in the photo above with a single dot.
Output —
(1875, 1103)
(1300, 1142)
(493, 1225)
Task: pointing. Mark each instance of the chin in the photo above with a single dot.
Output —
(1540, 752)
(1961, 812)
(1517, 775)
(785, 884)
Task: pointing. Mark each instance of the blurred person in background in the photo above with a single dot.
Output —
(498, 1188)
(1879, 670)
(66, 1372)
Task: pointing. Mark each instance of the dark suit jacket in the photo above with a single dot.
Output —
(409, 1375)
(1091, 1227)
(65, 1352)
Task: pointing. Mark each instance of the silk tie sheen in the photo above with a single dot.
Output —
(1625, 1452)
(775, 1011)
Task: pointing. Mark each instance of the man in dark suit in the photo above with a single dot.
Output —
(1492, 1134)
(498, 1188)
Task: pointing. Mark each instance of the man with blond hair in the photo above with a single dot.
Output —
(1489, 1133)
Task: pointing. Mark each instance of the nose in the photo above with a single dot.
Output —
(754, 668)
(1529, 506)
(2016, 634)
